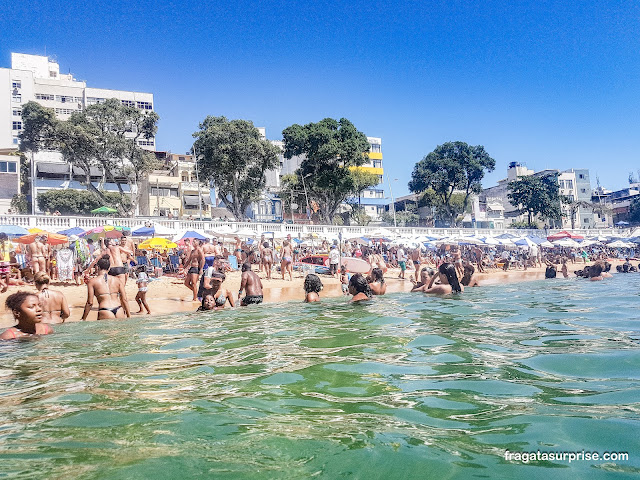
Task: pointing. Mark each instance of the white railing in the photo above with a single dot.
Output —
(56, 223)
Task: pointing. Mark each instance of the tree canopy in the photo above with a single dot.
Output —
(452, 167)
(75, 202)
(103, 135)
(233, 155)
(328, 148)
(536, 195)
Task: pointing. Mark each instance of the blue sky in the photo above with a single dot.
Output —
(552, 84)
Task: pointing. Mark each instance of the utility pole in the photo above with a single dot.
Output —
(395, 223)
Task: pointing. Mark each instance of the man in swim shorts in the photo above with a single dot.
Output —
(252, 285)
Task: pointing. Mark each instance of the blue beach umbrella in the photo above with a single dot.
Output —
(192, 234)
(13, 230)
(72, 231)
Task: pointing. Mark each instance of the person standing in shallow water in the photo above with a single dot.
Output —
(55, 308)
(109, 290)
(312, 288)
(27, 311)
(251, 283)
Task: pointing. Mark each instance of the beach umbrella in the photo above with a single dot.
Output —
(152, 230)
(156, 244)
(622, 224)
(104, 209)
(35, 230)
(52, 238)
(619, 244)
(71, 231)
(223, 231)
(106, 231)
(469, 240)
(490, 241)
(566, 242)
(246, 232)
(506, 236)
(190, 234)
(547, 244)
(525, 242)
(13, 230)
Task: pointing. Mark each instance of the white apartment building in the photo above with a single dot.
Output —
(38, 78)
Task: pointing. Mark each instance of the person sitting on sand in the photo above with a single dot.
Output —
(55, 308)
(312, 287)
(468, 278)
(110, 292)
(448, 281)
(143, 286)
(376, 282)
(359, 288)
(251, 283)
(27, 311)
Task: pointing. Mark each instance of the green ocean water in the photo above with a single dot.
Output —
(407, 386)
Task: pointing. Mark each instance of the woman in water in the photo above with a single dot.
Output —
(468, 278)
(109, 290)
(54, 304)
(448, 281)
(425, 278)
(213, 286)
(359, 288)
(312, 288)
(376, 282)
(27, 311)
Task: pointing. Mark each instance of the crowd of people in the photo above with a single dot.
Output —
(106, 265)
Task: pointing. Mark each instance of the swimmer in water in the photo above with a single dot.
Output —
(312, 288)
(376, 282)
(359, 288)
(27, 311)
(448, 281)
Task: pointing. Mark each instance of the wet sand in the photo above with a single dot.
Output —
(169, 295)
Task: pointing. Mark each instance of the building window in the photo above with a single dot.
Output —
(128, 103)
(164, 192)
(15, 141)
(17, 98)
(16, 84)
(53, 74)
(181, 159)
(380, 178)
(375, 147)
(569, 184)
(94, 100)
(146, 143)
(64, 111)
(581, 176)
(17, 125)
(377, 163)
(583, 190)
(144, 105)
(17, 112)
(8, 167)
(44, 96)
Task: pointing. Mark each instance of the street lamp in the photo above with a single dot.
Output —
(195, 158)
(395, 223)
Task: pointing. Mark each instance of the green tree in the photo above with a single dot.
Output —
(103, 135)
(536, 195)
(404, 218)
(452, 167)
(76, 202)
(634, 210)
(442, 212)
(328, 147)
(233, 155)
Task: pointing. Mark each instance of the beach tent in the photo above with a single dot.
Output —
(563, 234)
(506, 235)
(72, 231)
(107, 231)
(525, 242)
(13, 230)
(490, 241)
(153, 230)
(547, 244)
(52, 238)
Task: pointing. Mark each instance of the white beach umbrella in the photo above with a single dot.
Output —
(469, 240)
(619, 244)
(566, 242)
(546, 244)
(491, 241)
(246, 232)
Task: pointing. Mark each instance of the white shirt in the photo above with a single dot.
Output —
(334, 256)
(401, 256)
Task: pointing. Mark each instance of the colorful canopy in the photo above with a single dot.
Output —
(52, 238)
(107, 231)
(563, 234)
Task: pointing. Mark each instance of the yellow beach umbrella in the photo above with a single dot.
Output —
(157, 243)
(35, 230)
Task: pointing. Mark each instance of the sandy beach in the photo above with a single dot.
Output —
(168, 294)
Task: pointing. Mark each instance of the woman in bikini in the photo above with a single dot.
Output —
(266, 259)
(287, 260)
(27, 311)
(54, 304)
(448, 281)
(215, 296)
(109, 291)
(376, 282)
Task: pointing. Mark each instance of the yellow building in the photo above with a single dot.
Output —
(373, 198)
(172, 189)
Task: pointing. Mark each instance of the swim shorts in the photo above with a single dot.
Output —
(251, 300)
(115, 271)
(194, 270)
(403, 266)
